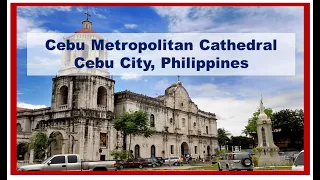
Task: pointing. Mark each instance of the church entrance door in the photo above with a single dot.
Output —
(184, 149)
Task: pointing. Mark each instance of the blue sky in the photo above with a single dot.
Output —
(232, 98)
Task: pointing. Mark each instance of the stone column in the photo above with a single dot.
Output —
(31, 156)
(63, 147)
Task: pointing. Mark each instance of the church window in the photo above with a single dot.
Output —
(19, 128)
(103, 139)
(264, 141)
(171, 149)
(152, 120)
(183, 122)
(207, 130)
(85, 52)
(63, 95)
(194, 124)
(171, 120)
(102, 96)
(137, 151)
(153, 151)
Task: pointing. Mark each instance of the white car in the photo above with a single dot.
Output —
(172, 161)
(298, 164)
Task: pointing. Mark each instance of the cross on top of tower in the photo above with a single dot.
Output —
(87, 14)
(178, 77)
(261, 105)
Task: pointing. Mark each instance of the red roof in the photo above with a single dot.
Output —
(85, 30)
(20, 109)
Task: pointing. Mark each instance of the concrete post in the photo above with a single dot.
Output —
(31, 156)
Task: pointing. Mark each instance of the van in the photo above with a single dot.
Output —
(298, 164)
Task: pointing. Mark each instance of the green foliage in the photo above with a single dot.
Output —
(252, 122)
(255, 160)
(291, 123)
(243, 141)
(40, 143)
(133, 124)
(120, 155)
(223, 136)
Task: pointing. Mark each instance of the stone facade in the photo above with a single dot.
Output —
(83, 107)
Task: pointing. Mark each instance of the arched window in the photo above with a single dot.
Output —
(151, 120)
(153, 151)
(264, 141)
(63, 95)
(207, 130)
(19, 128)
(102, 96)
(137, 151)
(85, 52)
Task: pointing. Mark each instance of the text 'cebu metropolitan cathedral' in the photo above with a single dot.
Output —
(83, 107)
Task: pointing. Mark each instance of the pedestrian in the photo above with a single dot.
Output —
(181, 161)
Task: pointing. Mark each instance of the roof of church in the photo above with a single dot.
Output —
(20, 109)
(85, 30)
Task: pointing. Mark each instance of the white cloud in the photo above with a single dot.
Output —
(130, 26)
(35, 11)
(249, 19)
(130, 76)
(94, 11)
(29, 106)
(29, 23)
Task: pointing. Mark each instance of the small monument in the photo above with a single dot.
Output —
(267, 150)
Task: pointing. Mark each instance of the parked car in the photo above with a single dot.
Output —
(175, 160)
(135, 163)
(288, 155)
(160, 160)
(152, 162)
(69, 162)
(236, 161)
(298, 164)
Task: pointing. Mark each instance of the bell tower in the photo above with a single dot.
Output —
(83, 99)
(75, 88)
(267, 150)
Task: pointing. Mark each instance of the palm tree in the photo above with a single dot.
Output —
(223, 137)
(40, 144)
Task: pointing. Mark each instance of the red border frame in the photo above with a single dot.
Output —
(167, 172)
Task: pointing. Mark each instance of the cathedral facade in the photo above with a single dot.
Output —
(83, 107)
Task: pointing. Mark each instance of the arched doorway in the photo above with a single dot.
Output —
(208, 150)
(184, 149)
(153, 151)
(22, 149)
(55, 147)
(137, 151)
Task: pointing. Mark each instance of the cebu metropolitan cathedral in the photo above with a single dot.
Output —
(83, 107)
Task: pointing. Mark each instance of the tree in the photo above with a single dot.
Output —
(243, 141)
(40, 143)
(291, 126)
(252, 122)
(223, 137)
(133, 124)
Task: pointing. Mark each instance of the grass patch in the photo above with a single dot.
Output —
(212, 167)
(275, 168)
